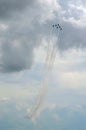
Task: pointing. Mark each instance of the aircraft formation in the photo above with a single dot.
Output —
(57, 26)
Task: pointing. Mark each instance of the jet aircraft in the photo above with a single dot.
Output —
(57, 26)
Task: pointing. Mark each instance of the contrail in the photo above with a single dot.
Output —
(49, 61)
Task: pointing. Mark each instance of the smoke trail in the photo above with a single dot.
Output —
(48, 49)
(49, 61)
(41, 91)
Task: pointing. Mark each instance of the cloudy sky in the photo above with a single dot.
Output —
(24, 35)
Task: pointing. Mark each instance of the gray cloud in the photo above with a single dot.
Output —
(72, 37)
(19, 40)
(27, 29)
(10, 7)
(14, 58)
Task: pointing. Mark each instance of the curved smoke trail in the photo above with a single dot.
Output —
(49, 61)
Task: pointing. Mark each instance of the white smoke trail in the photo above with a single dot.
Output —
(49, 61)
(49, 64)
(41, 91)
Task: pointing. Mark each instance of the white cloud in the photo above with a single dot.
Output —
(5, 99)
(70, 69)
(74, 80)
(76, 13)
(18, 92)
(3, 27)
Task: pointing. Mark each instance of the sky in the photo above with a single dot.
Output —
(24, 35)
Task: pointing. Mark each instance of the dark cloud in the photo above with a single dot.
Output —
(17, 49)
(25, 33)
(15, 58)
(10, 7)
(19, 40)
